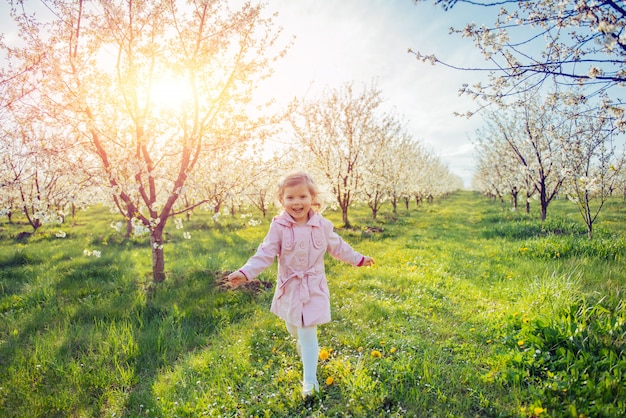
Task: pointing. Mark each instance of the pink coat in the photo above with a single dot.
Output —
(301, 297)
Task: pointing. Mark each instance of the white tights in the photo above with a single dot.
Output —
(306, 337)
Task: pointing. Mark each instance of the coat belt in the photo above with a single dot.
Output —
(302, 276)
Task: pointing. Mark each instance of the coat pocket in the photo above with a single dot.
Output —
(324, 288)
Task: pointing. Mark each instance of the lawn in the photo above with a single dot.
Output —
(471, 310)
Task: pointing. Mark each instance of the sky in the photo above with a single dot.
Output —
(365, 41)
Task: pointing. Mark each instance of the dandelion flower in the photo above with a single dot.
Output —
(539, 410)
(393, 350)
(520, 343)
(324, 355)
(376, 354)
(329, 380)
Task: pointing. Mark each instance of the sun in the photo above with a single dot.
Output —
(170, 93)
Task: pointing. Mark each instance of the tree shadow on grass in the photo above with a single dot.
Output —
(180, 316)
(100, 338)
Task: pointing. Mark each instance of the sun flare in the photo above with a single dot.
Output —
(170, 93)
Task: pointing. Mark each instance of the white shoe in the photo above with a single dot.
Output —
(308, 389)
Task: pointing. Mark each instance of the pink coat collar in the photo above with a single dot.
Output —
(285, 219)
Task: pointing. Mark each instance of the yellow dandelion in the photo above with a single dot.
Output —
(472, 329)
(539, 410)
(324, 355)
(393, 350)
(526, 320)
(376, 354)
(330, 380)
(520, 343)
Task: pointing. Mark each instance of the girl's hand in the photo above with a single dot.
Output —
(367, 261)
(237, 278)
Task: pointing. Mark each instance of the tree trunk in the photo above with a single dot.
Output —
(129, 228)
(543, 200)
(514, 194)
(344, 217)
(158, 258)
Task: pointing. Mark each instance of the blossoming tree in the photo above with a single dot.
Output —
(336, 130)
(558, 144)
(39, 175)
(572, 43)
(593, 164)
(147, 88)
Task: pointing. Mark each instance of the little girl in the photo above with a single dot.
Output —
(300, 237)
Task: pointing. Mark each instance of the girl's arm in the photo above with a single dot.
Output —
(341, 250)
(262, 259)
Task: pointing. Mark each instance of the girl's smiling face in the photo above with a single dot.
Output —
(297, 202)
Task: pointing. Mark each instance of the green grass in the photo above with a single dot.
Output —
(471, 310)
